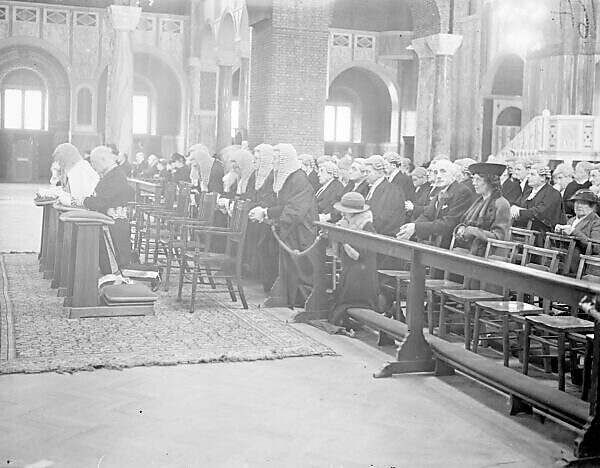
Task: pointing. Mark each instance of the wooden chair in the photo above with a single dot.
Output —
(226, 266)
(592, 247)
(165, 202)
(589, 268)
(460, 302)
(522, 236)
(565, 245)
(157, 221)
(180, 239)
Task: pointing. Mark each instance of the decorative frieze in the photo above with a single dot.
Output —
(171, 37)
(86, 44)
(4, 21)
(56, 29)
(26, 22)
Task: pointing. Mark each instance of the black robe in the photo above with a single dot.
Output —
(387, 206)
(180, 174)
(511, 190)
(294, 212)
(544, 210)
(405, 184)
(570, 190)
(330, 195)
(313, 177)
(113, 191)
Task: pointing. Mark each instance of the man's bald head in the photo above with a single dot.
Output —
(102, 159)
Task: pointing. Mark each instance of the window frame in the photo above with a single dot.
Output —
(23, 89)
(336, 106)
(149, 113)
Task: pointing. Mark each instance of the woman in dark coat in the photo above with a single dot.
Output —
(293, 213)
(489, 215)
(358, 285)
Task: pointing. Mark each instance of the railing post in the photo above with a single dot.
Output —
(415, 354)
(317, 304)
(587, 443)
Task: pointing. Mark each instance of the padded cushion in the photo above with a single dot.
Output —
(84, 216)
(127, 293)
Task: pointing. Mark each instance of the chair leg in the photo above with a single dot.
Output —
(156, 242)
(430, 311)
(442, 318)
(231, 290)
(240, 289)
(526, 347)
(561, 362)
(182, 267)
(467, 308)
(194, 286)
(505, 340)
(476, 327)
(168, 268)
(211, 279)
(147, 244)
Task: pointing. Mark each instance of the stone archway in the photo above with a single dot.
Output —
(37, 145)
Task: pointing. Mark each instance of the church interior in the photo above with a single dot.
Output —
(467, 356)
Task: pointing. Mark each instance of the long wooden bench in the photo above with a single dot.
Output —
(419, 353)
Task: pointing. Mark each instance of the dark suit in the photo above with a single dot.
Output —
(523, 196)
(544, 210)
(387, 206)
(511, 190)
(328, 196)
(443, 214)
(362, 188)
(313, 177)
(405, 183)
(423, 196)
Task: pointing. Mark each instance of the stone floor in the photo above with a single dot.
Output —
(298, 412)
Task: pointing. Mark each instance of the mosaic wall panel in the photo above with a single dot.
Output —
(4, 19)
(145, 32)
(107, 38)
(26, 21)
(395, 45)
(56, 29)
(86, 37)
(170, 39)
(364, 48)
(340, 51)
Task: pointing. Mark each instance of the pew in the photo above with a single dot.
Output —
(425, 354)
(45, 204)
(83, 298)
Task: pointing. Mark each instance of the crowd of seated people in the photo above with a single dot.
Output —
(463, 203)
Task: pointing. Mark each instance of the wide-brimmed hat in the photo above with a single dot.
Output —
(584, 195)
(487, 168)
(351, 202)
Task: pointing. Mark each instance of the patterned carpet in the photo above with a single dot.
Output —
(37, 336)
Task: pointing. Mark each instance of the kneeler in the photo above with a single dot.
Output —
(84, 299)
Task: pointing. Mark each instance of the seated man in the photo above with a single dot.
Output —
(443, 213)
(111, 197)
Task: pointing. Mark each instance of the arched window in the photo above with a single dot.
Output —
(23, 101)
(84, 107)
(142, 107)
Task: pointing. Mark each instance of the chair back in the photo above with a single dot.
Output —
(503, 251)
(522, 236)
(593, 247)
(206, 207)
(563, 244)
(540, 258)
(169, 195)
(183, 199)
(238, 225)
(589, 269)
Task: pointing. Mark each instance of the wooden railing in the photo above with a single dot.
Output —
(145, 188)
(557, 137)
(421, 354)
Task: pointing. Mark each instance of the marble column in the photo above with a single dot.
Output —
(425, 85)
(224, 105)
(443, 46)
(243, 101)
(434, 97)
(119, 112)
(203, 94)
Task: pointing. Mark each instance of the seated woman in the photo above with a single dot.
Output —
(489, 215)
(584, 226)
(330, 191)
(111, 197)
(293, 211)
(79, 179)
(543, 207)
(358, 285)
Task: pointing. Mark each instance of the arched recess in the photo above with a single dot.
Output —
(158, 73)
(208, 44)
(25, 155)
(502, 89)
(226, 49)
(84, 107)
(243, 33)
(373, 99)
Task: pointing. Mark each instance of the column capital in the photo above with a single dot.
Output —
(227, 61)
(444, 44)
(124, 18)
(421, 48)
(203, 64)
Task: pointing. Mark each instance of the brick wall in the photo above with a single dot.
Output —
(289, 75)
(430, 16)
